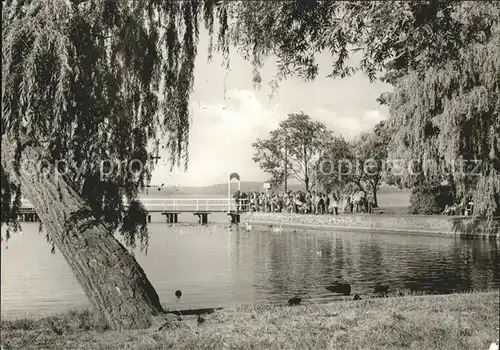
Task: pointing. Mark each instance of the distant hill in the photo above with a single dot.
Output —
(221, 189)
(218, 189)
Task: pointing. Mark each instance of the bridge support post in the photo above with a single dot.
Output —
(202, 218)
(171, 217)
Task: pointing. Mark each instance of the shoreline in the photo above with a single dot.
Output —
(436, 225)
(461, 321)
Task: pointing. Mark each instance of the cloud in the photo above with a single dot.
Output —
(374, 116)
(220, 139)
(228, 114)
(349, 124)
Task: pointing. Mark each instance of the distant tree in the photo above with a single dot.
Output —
(370, 155)
(334, 166)
(440, 56)
(447, 117)
(392, 180)
(303, 141)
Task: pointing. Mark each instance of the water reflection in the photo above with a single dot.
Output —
(214, 266)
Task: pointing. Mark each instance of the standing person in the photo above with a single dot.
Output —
(327, 199)
(334, 203)
(321, 204)
(308, 202)
(275, 203)
(371, 202)
(296, 202)
(236, 198)
(330, 203)
(314, 202)
(351, 203)
(364, 203)
(318, 203)
(284, 201)
(243, 201)
(289, 203)
(326, 202)
(252, 201)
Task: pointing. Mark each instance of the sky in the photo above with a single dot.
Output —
(228, 114)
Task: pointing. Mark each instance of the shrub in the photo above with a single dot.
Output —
(430, 199)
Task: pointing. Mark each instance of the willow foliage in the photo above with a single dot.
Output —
(98, 84)
(448, 117)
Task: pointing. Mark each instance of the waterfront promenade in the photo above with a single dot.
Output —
(398, 223)
(393, 220)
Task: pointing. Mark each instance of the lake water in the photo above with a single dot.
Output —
(214, 266)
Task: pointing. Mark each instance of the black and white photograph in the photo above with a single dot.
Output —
(250, 174)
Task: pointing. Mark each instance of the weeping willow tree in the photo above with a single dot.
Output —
(89, 90)
(90, 85)
(448, 117)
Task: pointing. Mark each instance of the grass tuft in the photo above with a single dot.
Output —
(456, 321)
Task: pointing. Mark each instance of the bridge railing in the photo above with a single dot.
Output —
(194, 204)
(183, 204)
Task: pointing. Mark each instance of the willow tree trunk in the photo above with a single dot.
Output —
(114, 282)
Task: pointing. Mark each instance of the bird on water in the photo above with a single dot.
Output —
(294, 301)
(381, 289)
(341, 288)
(178, 293)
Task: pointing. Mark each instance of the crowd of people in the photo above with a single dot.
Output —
(310, 202)
(464, 207)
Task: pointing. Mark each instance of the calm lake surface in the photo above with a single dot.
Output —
(214, 266)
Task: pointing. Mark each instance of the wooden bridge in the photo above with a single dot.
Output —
(201, 207)
(171, 208)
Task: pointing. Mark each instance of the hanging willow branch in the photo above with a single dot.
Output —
(95, 84)
(450, 116)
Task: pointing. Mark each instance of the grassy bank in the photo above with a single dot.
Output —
(458, 321)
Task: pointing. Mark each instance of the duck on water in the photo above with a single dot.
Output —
(341, 288)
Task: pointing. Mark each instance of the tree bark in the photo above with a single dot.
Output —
(306, 173)
(114, 282)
